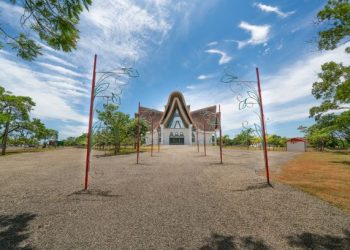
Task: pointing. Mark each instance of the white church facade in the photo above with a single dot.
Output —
(178, 125)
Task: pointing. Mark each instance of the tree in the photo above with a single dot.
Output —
(245, 137)
(55, 21)
(336, 15)
(14, 115)
(132, 130)
(116, 124)
(277, 141)
(334, 87)
(330, 131)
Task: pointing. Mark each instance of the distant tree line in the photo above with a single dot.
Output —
(116, 129)
(247, 138)
(17, 127)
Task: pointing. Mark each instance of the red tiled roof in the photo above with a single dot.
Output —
(297, 139)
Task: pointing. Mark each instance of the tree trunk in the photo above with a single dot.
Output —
(4, 138)
(115, 149)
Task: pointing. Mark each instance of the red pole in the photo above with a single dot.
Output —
(88, 146)
(197, 139)
(152, 138)
(263, 128)
(158, 132)
(138, 134)
(205, 148)
(220, 135)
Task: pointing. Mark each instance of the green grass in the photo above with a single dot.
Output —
(323, 174)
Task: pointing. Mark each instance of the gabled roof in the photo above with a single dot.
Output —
(207, 116)
(176, 100)
(147, 114)
(297, 139)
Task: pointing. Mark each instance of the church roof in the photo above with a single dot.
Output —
(177, 101)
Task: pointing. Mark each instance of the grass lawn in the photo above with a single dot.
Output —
(19, 150)
(323, 174)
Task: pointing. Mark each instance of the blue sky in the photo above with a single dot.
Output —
(179, 45)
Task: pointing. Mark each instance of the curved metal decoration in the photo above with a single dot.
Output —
(248, 97)
(108, 85)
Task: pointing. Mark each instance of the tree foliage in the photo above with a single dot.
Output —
(55, 21)
(336, 14)
(117, 129)
(15, 121)
(333, 88)
(334, 85)
(331, 130)
(246, 138)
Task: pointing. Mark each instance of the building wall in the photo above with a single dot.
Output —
(296, 147)
(208, 137)
(185, 131)
(187, 136)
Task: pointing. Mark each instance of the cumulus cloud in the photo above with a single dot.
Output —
(225, 58)
(286, 93)
(273, 9)
(259, 34)
(122, 31)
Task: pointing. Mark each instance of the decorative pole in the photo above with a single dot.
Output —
(158, 132)
(88, 146)
(152, 137)
(220, 135)
(263, 128)
(138, 134)
(197, 138)
(205, 148)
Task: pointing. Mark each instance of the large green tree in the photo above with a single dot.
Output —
(55, 21)
(333, 88)
(14, 113)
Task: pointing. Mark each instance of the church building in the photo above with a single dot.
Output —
(178, 125)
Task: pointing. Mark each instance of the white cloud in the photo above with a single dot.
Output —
(205, 77)
(72, 130)
(59, 60)
(259, 34)
(51, 102)
(60, 70)
(212, 43)
(295, 80)
(273, 9)
(191, 87)
(225, 58)
(286, 93)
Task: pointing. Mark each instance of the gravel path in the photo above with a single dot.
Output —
(177, 199)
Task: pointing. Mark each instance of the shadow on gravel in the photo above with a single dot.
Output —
(94, 192)
(13, 230)
(254, 187)
(228, 242)
(316, 241)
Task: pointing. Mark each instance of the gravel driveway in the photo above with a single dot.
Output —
(177, 199)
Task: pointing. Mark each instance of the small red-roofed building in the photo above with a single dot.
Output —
(296, 144)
